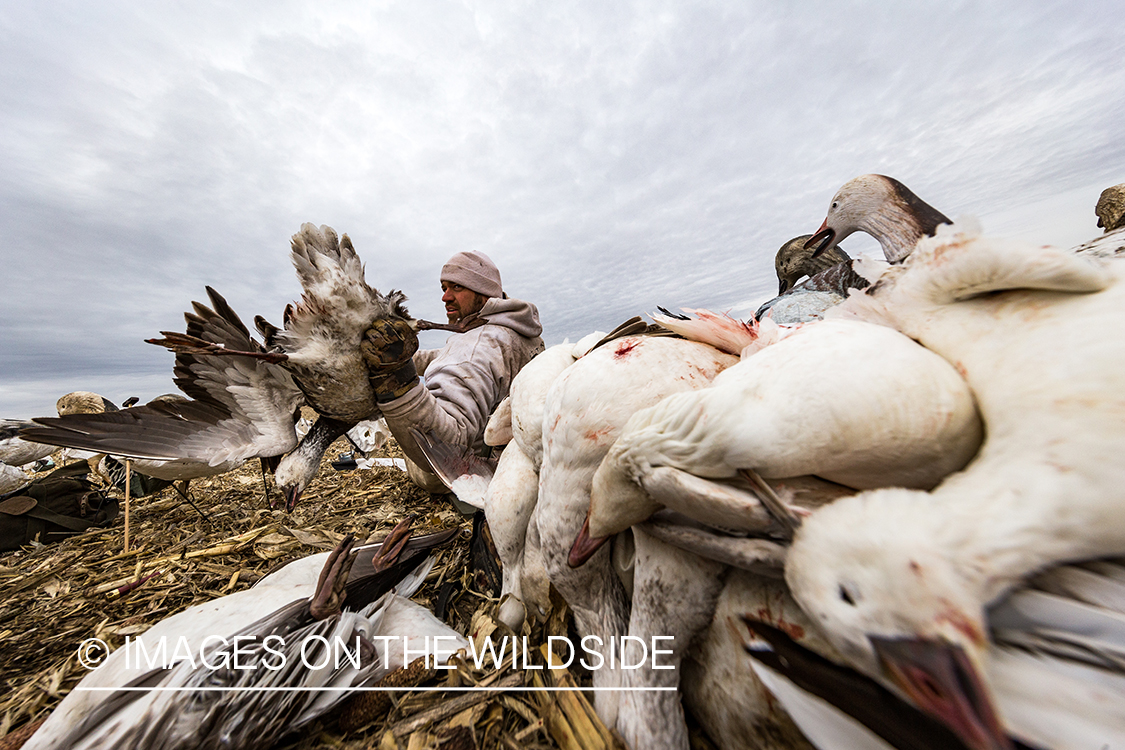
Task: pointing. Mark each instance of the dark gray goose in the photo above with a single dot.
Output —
(794, 261)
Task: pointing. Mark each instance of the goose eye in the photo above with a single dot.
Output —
(846, 595)
(835, 204)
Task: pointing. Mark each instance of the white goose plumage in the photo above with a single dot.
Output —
(1026, 326)
(854, 403)
(184, 719)
(586, 407)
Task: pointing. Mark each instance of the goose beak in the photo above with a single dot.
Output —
(584, 547)
(824, 239)
(292, 495)
(940, 679)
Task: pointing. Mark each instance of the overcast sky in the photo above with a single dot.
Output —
(609, 156)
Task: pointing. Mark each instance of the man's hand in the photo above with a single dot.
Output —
(388, 347)
(388, 344)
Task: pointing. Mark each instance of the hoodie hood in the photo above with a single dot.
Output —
(522, 317)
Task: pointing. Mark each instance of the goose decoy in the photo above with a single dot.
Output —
(188, 704)
(83, 402)
(1111, 208)
(906, 583)
(15, 451)
(882, 207)
(12, 478)
(237, 409)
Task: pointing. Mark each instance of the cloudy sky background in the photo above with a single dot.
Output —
(610, 156)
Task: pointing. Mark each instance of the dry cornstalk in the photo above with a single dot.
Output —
(453, 706)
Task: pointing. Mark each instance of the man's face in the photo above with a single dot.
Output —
(460, 301)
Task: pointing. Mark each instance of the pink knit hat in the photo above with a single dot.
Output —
(475, 271)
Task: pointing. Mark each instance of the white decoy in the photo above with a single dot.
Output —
(854, 403)
(882, 207)
(586, 407)
(380, 578)
(12, 478)
(900, 580)
(239, 408)
(16, 452)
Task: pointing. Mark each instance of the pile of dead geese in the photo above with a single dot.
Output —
(884, 513)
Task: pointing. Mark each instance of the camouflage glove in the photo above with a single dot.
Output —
(388, 349)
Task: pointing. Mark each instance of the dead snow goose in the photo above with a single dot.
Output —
(303, 602)
(586, 406)
(794, 260)
(319, 344)
(900, 580)
(854, 403)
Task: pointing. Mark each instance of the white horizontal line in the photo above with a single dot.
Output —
(374, 689)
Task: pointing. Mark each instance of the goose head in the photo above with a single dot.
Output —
(882, 207)
(897, 608)
(297, 468)
(794, 261)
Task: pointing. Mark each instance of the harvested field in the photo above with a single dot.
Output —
(52, 597)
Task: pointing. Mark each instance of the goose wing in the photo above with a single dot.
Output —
(240, 407)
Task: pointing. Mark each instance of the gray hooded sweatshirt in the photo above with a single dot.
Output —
(467, 378)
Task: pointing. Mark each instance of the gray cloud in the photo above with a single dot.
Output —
(610, 158)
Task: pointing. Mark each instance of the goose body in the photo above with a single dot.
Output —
(12, 478)
(15, 451)
(134, 719)
(910, 567)
(508, 494)
(320, 340)
(854, 403)
(586, 407)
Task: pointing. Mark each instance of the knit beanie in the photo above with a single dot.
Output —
(475, 271)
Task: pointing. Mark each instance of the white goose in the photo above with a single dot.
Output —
(900, 580)
(586, 407)
(508, 491)
(173, 719)
(854, 403)
(16, 452)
